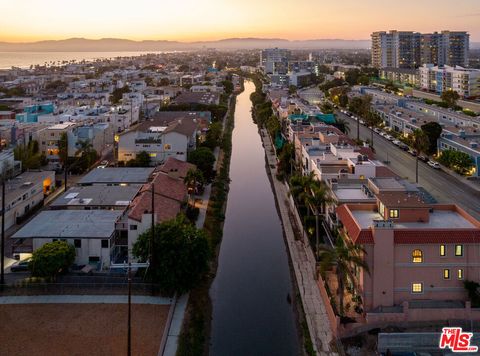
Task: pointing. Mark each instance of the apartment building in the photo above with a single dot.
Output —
(417, 251)
(49, 138)
(402, 76)
(160, 141)
(466, 82)
(407, 49)
(275, 60)
(466, 140)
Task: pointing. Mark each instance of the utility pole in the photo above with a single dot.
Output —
(152, 236)
(2, 278)
(65, 165)
(129, 336)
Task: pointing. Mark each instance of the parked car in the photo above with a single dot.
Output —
(20, 266)
(433, 164)
(412, 152)
(377, 130)
(396, 142)
(104, 163)
(383, 134)
(403, 146)
(423, 158)
(362, 122)
(389, 137)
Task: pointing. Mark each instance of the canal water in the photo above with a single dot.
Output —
(252, 314)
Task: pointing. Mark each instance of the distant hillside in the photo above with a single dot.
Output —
(116, 45)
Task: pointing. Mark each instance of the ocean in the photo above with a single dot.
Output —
(26, 59)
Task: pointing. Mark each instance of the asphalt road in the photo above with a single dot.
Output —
(441, 185)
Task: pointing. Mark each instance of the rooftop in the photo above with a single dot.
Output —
(111, 175)
(97, 195)
(69, 224)
(439, 219)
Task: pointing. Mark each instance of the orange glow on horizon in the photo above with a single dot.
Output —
(204, 20)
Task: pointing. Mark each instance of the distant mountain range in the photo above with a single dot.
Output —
(116, 45)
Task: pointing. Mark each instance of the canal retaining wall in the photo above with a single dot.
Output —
(321, 321)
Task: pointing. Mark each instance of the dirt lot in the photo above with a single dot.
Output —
(80, 329)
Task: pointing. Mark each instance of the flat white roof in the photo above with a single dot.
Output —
(439, 219)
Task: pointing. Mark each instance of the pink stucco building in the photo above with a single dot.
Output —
(416, 251)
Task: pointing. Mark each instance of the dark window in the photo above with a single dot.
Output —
(104, 243)
(77, 243)
(133, 227)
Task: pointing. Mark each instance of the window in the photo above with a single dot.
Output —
(417, 287)
(460, 274)
(393, 213)
(458, 250)
(167, 147)
(417, 256)
(104, 243)
(133, 227)
(443, 250)
(77, 243)
(446, 274)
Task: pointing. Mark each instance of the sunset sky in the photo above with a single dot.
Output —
(190, 20)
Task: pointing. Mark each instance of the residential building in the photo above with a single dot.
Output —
(92, 233)
(459, 140)
(275, 60)
(204, 98)
(417, 252)
(175, 139)
(25, 193)
(404, 76)
(406, 49)
(117, 176)
(49, 138)
(466, 82)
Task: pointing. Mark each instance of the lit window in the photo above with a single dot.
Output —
(167, 147)
(153, 155)
(417, 287)
(417, 256)
(443, 250)
(458, 250)
(393, 213)
(446, 274)
(460, 274)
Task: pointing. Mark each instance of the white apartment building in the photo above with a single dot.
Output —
(159, 141)
(466, 82)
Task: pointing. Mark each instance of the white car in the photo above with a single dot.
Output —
(396, 142)
(389, 137)
(377, 130)
(362, 122)
(433, 164)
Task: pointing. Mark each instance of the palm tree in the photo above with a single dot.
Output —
(345, 124)
(372, 119)
(319, 198)
(345, 257)
(87, 154)
(192, 178)
(420, 144)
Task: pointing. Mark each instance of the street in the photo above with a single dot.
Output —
(442, 186)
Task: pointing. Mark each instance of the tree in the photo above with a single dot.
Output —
(164, 82)
(214, 135)
(142, 159)
(433, 130)
(86, 156)
(373, 120)
(117, 94)
(460, 162)
(292, 89)
(343, 125)
(344, 257)
(62, 147)
(228, 86)
(320, 196)
(193, 178)
(52, 259)
(450, 97)
(420, 144)
(181, 254)
(286, 159)
(327, 108)
(360, 105)
(204, 159)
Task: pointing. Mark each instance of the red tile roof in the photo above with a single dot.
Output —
(176, 167)
(165, 208)
(436, 236)
(170, 187)
(354, 231)
(382, 171)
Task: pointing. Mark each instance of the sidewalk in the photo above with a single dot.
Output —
(84, 299)
(462, 179)
(304, 265)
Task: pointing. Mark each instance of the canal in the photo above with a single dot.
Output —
(252, 314)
